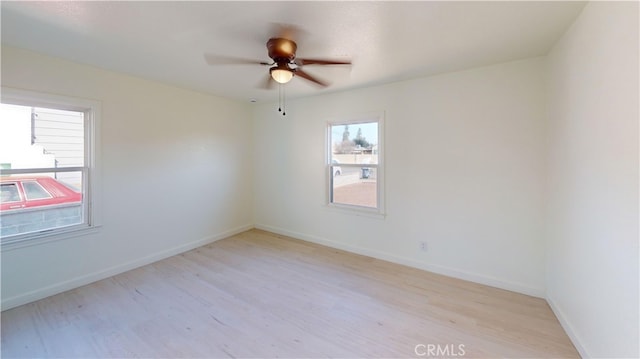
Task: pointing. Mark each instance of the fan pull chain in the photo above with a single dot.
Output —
(284, 101)
(279, 97)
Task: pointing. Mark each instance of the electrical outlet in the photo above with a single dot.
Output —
(423, 246)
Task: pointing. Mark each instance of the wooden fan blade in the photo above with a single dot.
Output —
(304, 62)
(304, 75)
(212, 59)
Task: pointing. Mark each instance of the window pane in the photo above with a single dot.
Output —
(355, 143)
(34, 137)
(355, 186)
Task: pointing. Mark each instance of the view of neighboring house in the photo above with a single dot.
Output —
(40, 152)
(46, 138)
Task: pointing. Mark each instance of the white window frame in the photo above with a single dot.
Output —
(378, 212)
(90, 171)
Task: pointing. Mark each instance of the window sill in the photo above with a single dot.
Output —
(356, 211)
(40, 238)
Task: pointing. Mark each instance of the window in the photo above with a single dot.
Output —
(32, 190)
(48, 166)
(9, 193)
(355, 164)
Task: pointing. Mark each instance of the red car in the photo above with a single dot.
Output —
(34, 191)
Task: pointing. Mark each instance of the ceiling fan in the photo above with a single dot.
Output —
(284, 66)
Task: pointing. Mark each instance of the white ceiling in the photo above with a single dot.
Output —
(387, 41)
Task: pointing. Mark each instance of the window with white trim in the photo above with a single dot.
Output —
(48, 165)
(354, 164)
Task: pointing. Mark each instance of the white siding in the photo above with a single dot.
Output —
(61, 134)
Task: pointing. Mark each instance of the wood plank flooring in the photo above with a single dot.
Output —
(258, 294)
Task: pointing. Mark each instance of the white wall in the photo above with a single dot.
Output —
(592, 271)
(464, 171)
(176, 173)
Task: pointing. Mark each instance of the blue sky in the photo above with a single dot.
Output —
(369, 132)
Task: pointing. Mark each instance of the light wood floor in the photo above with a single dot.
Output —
(262, 295)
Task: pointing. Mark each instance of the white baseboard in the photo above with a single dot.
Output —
(447, 271)
(53, 289)
(568, 328)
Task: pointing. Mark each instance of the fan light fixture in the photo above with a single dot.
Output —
(281, 75)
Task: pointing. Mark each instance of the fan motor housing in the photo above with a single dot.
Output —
(282, 50)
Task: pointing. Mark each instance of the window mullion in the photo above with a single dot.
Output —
(21, 171)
